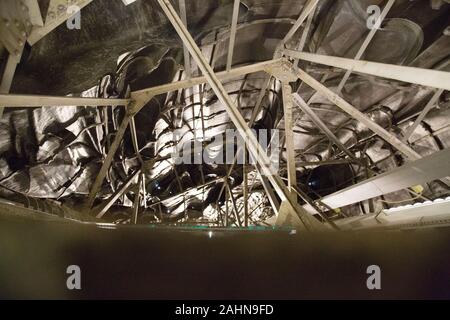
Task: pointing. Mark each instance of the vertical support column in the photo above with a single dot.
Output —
(289, 136)
(235, 208)
(227, 208)
(8, 76)
(305, 34)
(106, 205)
(107, 163)
(368, 176)
(245, 191)
(137, 199)
(234, 21)
(423, 114)
(187, 60)
(274, 202)
(131, 109)
(358, 115)
(309, 7)
(322, 126)
(135, 141)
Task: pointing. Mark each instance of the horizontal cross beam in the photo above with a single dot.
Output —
(433, 167)
(356, 114)
(425, 77)
(34, 101)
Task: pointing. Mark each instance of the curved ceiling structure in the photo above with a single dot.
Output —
(335, 130)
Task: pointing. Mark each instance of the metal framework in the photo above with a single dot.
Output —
(289, 134)
(358, 115)
(55, 17)
(414, 173)
(288, 211)
(234, 22)
(252, 143)
(424, 77)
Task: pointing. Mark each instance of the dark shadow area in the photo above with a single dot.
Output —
(155, 263)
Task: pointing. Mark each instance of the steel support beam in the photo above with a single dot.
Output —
(187, 60)
(133, 108)
(262, 94)
(35, 101)
(235, 208)
(144, 95)
(245, 189)
(14, 27)
(254, 147)
(309, 7)
(55, 17)
(356, 114)
(107, 162)
(433, 167)
(322, 163)
(135, 141)
(425, 77)
(321, 125)
(7, 78)
(8, 74)
(266, 184)
(274, 202)
(147, 94)
(100, 212)
(34, 13)
(311, 203)
(305, 33)
(234, 21)
(423, 114)
(420, 215)
(137, 200)
(289, 135)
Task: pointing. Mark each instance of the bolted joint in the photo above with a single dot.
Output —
(287, 65)
(283, 71)
(137, 102)
(132, 108)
